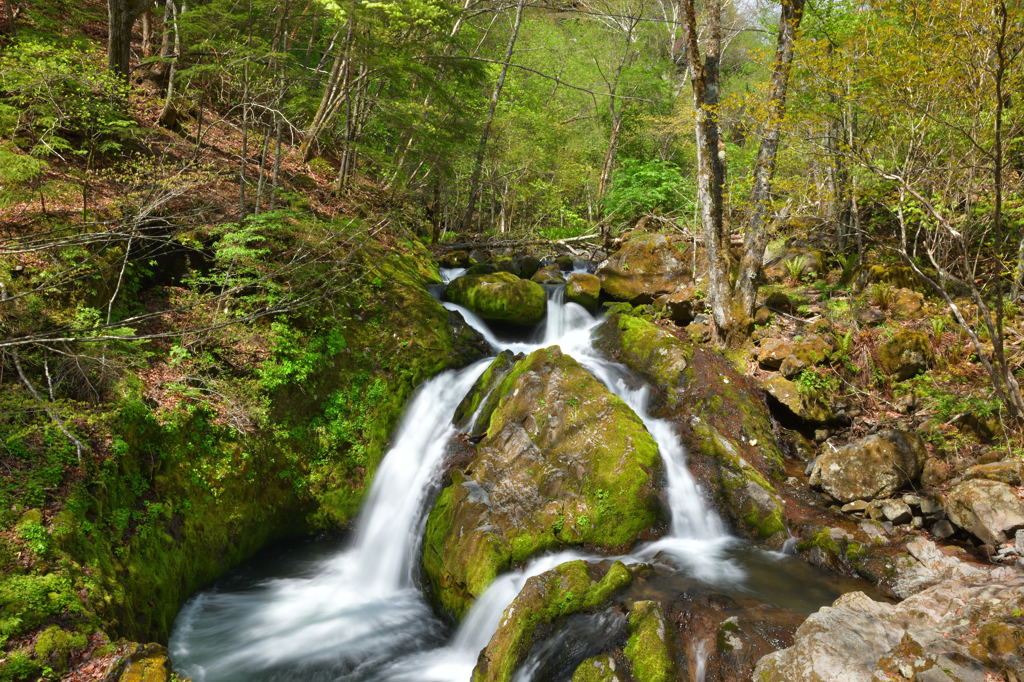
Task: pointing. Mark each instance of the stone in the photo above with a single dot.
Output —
(906, 354)
(773, 352)
(682, 305)
(564, 463)
(858, 638)
(763, 315)
(598, 669)
(870, 468)
(549, 274)
(565, 262)
(148, 663)
(906, 302)
(454, 259)
(1018, 541)
(804, 407)
(989, 510)
(500, 297)
(648, 649)
(527, 266)
(1010, 472)
(855, 507)
(779, 301)
(583, 289)
(646, 266)
(869, 317)
(478, 256)
(895, 511)
(792, 366)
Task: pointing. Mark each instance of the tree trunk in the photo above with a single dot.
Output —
(474, 182)
(756, 238)
(121, 16)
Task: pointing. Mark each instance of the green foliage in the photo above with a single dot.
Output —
(648, 187)
(817, 382)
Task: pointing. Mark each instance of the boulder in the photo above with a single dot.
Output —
(645, 267)
(564, 462)
(566, 589)
(148, 663)
(527, 266)
(795, 260)
(806, 408)
(1010, 471)
(478, 256)
(720, 416)
(807, 351)
(989, 510)
(500, 297)
(454, 259)
(906, 302)
(583, 289)
(952, 631)
(682, 305)
(549, 274)
(648, 648)
(873, 467)
(906, 354)
(773, 352)
(565, 262)
(601, 668)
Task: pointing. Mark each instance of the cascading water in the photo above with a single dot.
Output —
(358, 614)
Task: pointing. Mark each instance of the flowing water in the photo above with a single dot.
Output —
(355, 613)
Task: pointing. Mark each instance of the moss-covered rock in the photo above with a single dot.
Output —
(601, 668)
(876, 466)
(681, 305)
(549, 274)
(54, 647)
(721, 418)
(906, 354)
(648, 648)
(148, 663)
(474, 412)
(568, 588)
(645, 267)
(564, 462)
(500, 297)
(583, 288)
(805, 407)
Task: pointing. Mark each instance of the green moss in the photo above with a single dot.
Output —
(501, 297)
(596, 669)
(568, 588)
(648, 648)
(54, 646)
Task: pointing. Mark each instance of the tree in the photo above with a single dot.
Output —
(121, 16)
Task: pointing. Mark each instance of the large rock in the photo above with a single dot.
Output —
(645, 267)
(952, 631)
(566, 589)
(720, 417)
(564, 462)
(873, 467)
(500, 297)
(989, 510)
(648, 648)
(807, 408)
(583, 288)
(906, 354)
(682, 305)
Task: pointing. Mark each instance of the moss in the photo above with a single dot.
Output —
(648, 648)
(596, 669)
(54, 646)
(501, 297)
(19, 666)
(641, 345)
(569, 588)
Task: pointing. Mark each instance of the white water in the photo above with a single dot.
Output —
(358, 614)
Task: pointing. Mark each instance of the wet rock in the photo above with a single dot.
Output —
(583, 289)
(549, 274)
(720, 416)
(773, 352)
(873, 467)
(803, 407)
(906, 354)
(682, 305)
(564, 462)
(989, 510)
(645, 266)
(1010, 472)
(454, 259)
(527, 266)
(648, 647)
(568, 588)
(601, 668)
(500, 297)
(148, 663)
(858, 638)
(565, 262)
(467, 343)
(474, 412)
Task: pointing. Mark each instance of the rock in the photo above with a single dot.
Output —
(942, 529)
(645, 267)
(779, 301)
(807, 351)
(873, 467)
(935, 472)
(565, 262)
(937, 629)
(905, 355)
(869, 317)
(906, 302)
(468, 344)
(805, 408)
(648, 648)
(148, 663)
(549, 274)
(682, 305)
(500, 297)
(527, 266)
(583, 289)
(1018, 541)
(474, 412)
(989, 510)
(1009, 471)
(928, 505)
(857, 506)
(454, 259)
(566, 589)
(478, 256)
(720, 416)
(564, 462)
(894, 511)
(763, 315)
(799, 261)
(598, 669)
(773, 352)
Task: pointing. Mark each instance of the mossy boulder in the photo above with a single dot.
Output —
(720, 415)
(648, 648)
(474, 412)
(870, 468)
(148, 663)
(810, 409)
(601, 668)
(500, 297)
(54, 647)
(564, 462)
(645, 267)
(568, 588)
(549, 274)
(906, 354)
(682, 305)
(583, 288)
(454, 259)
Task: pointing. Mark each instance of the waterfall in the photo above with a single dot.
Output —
(358, 614)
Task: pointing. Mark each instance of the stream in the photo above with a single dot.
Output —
(352, 610)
